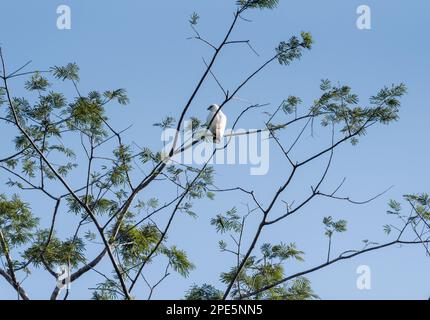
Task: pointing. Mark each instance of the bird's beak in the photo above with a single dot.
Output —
(210, 107)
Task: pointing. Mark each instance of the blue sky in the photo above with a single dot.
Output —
(142, 46)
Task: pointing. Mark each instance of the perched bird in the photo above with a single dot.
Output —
(216, 122)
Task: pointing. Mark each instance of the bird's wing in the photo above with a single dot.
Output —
(214, 122)
(209, 119)
(221, 124)
(218, 125)
(218, 135)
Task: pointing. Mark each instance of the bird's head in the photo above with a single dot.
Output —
(213, 107)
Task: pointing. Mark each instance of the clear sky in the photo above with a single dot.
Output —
(142, 46)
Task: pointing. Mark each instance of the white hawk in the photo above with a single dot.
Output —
(217, 122)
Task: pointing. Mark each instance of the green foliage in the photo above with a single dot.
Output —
(281, 251)
(260, 4)
(300, 289)
(146, 155)
(203, 292)
(198, 188)
(119, 95)
(22, 107)
(178, 260)
(99, 206)
(135, 244)
(258, 271)
(420, 203)
(151, 203)
(387, 229)
(422, 199)
(261, 272)
(231, 221)
(87, 115)
(2, 96)
(28, 167)
(338, 105)
(187, 208)
(63, 170)
(54, 100)
(293, 49)
(57, 252)
(37, 83)
(16, 221)
(417, 218)
(69, 72)
(395, 207)
(204, 180)
(194, 19)
(290, 105)
(334, 226)
(166, 123)
(122, 165)
(307, 40)
(194, 124)
(107, 290)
